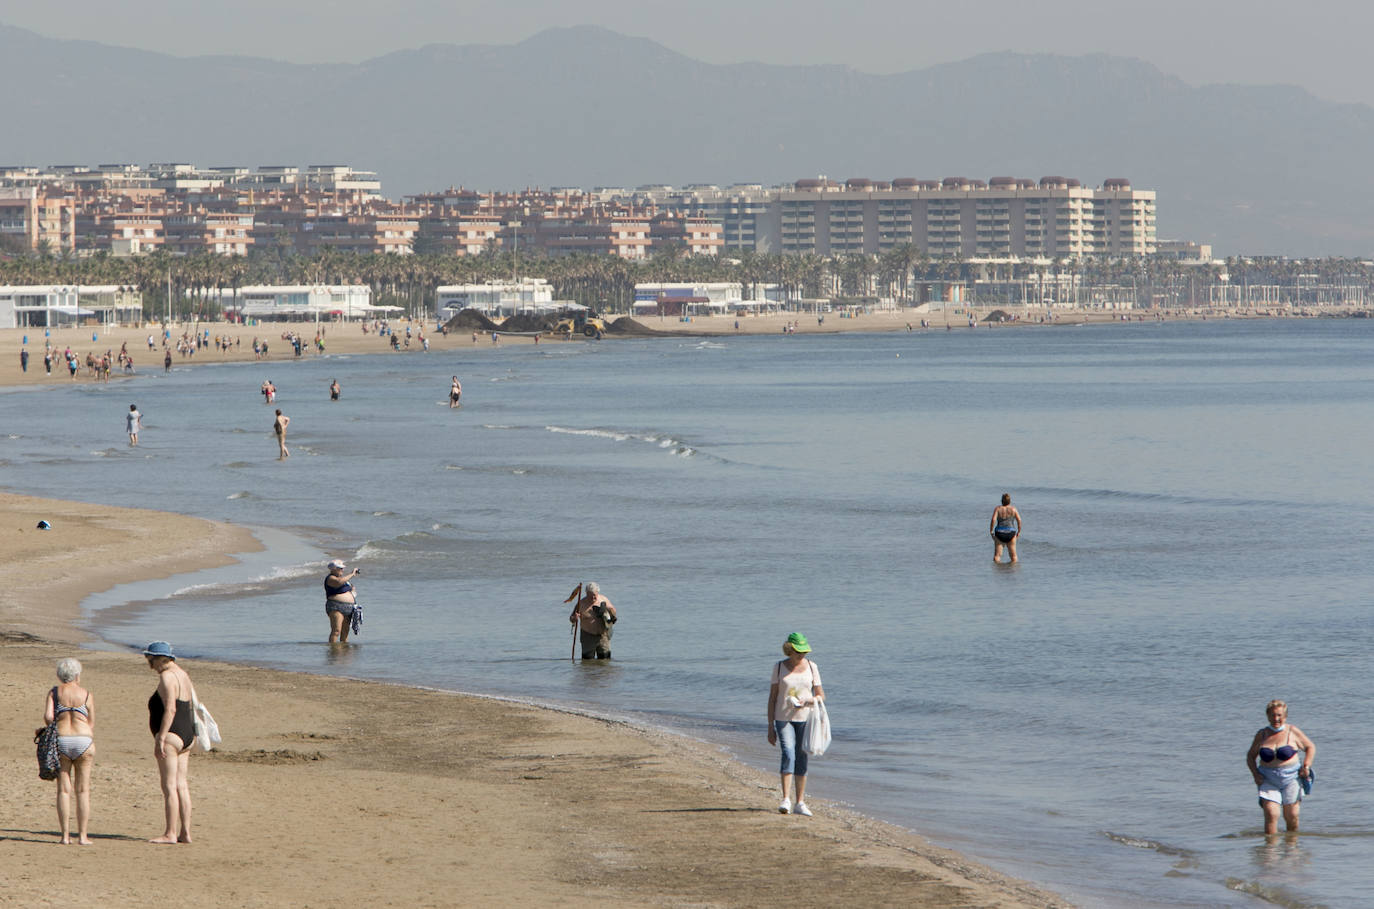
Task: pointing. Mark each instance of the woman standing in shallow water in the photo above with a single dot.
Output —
(1005, 527)
(173, 727)
(1281, 777)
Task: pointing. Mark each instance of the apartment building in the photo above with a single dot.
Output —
(222, 233)
(36, 218)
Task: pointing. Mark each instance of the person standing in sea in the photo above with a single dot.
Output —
(594, 616)
(1280, 775)
(1005, 527)
(134, 424)
(279, 427)
(334, 389)
(455, 393)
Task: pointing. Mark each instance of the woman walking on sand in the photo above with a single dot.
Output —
(74, 709)
(173, 727)
(279, 427)
(796, 686)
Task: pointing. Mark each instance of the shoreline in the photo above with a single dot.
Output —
(347, 338)
(469, 799)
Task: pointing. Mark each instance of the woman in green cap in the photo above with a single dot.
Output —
(796, 686)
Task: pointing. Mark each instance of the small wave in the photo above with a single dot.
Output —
(242, 494)
(1140, 842)
(14, 435)
(239, 464)
(595, 433)
(104, 452)
(415, 535)
(384, 514)
(520, 471)
(498, 426)
(1278, 896)
(454, 467)
(248, 585)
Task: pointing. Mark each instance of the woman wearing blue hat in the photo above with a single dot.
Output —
(173, 727)
(796, 687)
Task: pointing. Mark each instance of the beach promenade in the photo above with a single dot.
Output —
(334, 792)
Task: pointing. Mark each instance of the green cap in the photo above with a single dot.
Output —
(797, 641)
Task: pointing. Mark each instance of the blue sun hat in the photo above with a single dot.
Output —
(159, 648)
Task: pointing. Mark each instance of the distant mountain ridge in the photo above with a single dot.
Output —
(1250, 169)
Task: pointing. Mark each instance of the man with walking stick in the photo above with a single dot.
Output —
(592, 615)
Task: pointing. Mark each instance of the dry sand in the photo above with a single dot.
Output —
(330, 792)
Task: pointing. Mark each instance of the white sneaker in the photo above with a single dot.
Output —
(802, 809)
(785, 807)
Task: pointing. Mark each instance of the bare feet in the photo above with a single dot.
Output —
(164, 841)
(66, 841)
(184, 838)
(86, 841)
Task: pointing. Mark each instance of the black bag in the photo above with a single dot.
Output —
(48, 763)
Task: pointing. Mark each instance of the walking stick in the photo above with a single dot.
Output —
(577, 626)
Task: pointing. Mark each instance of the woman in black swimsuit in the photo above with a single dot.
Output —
(170, 721)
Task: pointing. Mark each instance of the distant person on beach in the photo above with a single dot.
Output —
(340, 600)
(594, 616)
(173, 727)
(455, 392)
(74, 709)
(796, 685)
(24, 359)
(1273, 761)
(334, 389)
(135, 423)
(279, 427)
(1005, 527)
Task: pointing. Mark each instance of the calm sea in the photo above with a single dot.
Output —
(1192, 493)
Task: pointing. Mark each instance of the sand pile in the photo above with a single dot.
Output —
(471, 320)
(528, 322)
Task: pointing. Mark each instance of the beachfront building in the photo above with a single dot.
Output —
(497, 298)
(1055, 217)
(54, 305)
(300, 302)
(686, 298)
(36, 218)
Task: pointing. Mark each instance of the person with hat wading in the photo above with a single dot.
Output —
(340, 601)
(595, 615)
(796, 686)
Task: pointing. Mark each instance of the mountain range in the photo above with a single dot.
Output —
(1253, 170)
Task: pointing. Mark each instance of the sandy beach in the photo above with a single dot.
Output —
(335, 792)
(348, 338)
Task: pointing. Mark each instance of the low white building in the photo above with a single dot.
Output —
(687, 298)
(301, 301)
(53, 305)
(498, 298)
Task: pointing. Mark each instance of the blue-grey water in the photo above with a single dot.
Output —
(1193, 493)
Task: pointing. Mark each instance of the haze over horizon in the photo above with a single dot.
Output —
(1251, 42)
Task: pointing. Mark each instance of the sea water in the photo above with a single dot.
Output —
(1194, 498)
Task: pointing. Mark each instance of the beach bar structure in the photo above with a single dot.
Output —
(685, 299)
(497, 298)
(55, 305)
(288, 302)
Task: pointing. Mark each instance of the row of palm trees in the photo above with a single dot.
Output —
(607, 283)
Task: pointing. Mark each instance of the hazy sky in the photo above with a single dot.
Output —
(1321, 45)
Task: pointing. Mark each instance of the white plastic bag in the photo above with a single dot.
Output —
(207, 730)
(816, 738)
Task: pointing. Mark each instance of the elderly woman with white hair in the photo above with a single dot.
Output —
(594, 616)
(74, 709)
